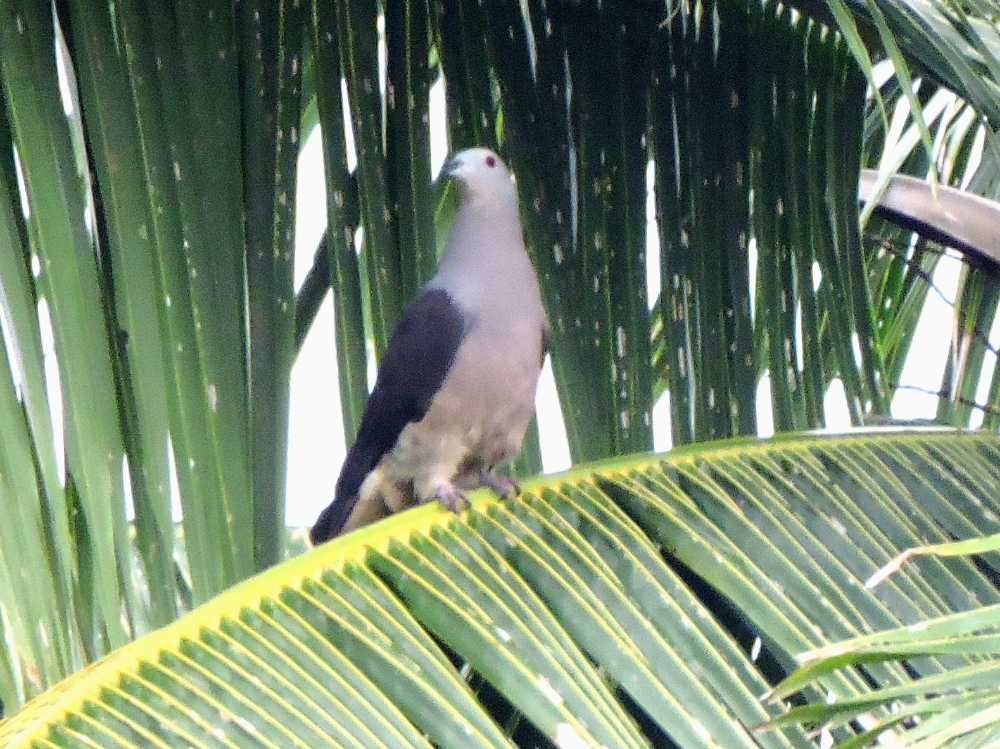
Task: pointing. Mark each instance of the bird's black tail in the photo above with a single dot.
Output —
(331, 521)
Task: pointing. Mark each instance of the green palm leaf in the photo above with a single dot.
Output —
(575, 616)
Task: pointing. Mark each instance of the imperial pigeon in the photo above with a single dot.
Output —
(456, 387)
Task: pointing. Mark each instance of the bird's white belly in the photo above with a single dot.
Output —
(460, 432)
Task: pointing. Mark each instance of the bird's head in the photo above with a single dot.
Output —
(480, 174)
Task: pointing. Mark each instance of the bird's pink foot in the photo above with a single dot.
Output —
(505, 486)
(451, 497)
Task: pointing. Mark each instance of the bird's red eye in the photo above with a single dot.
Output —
(491, 161)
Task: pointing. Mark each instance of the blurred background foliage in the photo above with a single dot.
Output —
(147, 202)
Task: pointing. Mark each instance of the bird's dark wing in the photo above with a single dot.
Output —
(420, 353)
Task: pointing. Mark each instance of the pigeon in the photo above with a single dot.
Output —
(456, 388)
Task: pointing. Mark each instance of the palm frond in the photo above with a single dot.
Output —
(611, 605)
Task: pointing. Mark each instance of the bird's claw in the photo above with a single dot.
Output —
(451, 497)
(455, 499)
(505, 486)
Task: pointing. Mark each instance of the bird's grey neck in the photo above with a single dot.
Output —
(477, 229)
(484, 257)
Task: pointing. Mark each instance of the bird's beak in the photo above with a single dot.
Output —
(444, 187)
(450, 167)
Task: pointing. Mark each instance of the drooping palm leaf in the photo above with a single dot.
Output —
(128, 240)
(588, 622)
(725, 121)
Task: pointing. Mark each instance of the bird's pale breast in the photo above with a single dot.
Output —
(479, 416)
